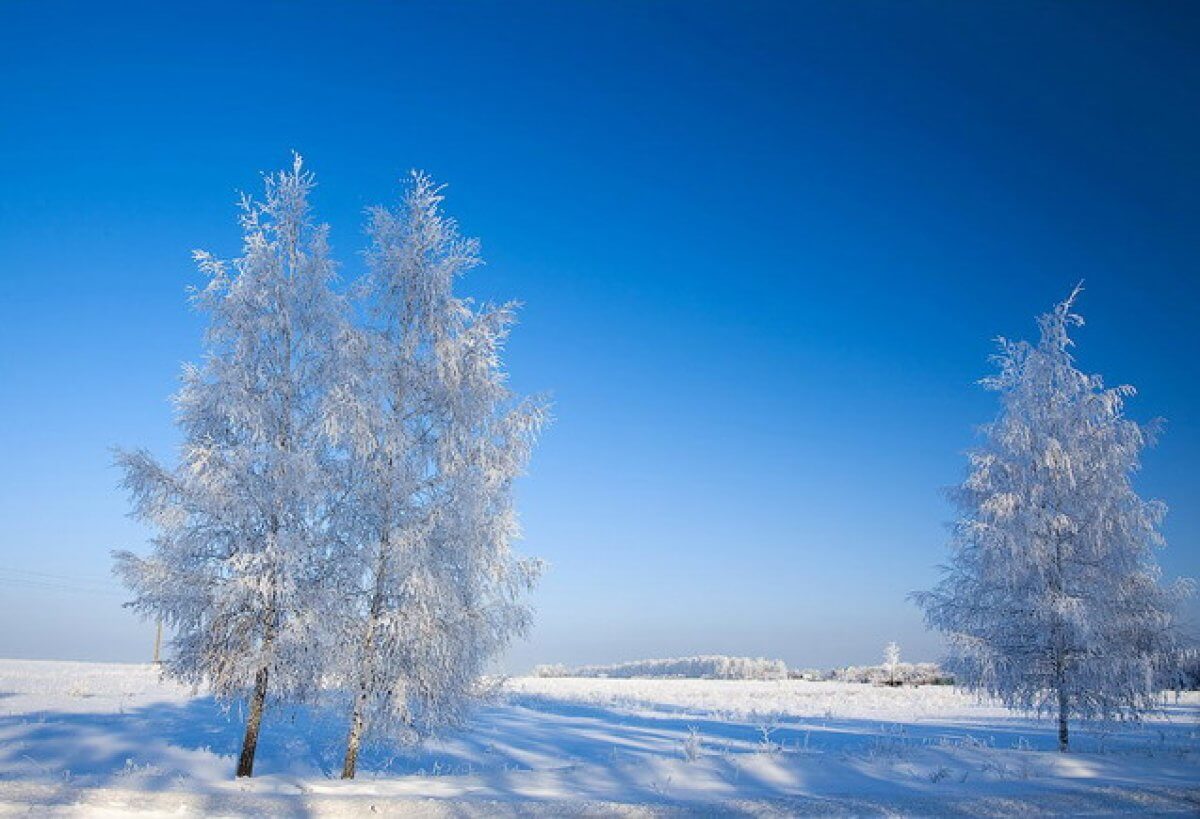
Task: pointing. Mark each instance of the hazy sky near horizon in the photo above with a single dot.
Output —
(763, 249)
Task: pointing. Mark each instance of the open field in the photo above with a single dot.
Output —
(98, 739)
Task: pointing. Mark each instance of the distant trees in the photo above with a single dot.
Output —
(1187, 672)
(901, 673)
(1051, 599)
(717, 667)
(341, 516)
(713, 667)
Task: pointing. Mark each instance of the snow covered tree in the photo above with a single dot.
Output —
(433, 590)
(241, 547)
(891, 661)
(1051, 600)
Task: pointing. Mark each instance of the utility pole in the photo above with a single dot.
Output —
(157, 641)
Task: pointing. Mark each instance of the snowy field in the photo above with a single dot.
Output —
(83, 739)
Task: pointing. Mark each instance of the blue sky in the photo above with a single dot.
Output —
(763, 249)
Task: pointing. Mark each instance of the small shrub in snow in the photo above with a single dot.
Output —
(132, 769)
(939, 774)
(766, 730)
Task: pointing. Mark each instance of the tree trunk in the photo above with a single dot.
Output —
(1057, 586)
(258, 699)
(1062, 720)
(352, 742)
(358, 715)
(250, 741)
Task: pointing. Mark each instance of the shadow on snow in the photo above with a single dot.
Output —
(528, 747)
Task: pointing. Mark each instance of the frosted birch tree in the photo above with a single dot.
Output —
(891, 661)
(435, 590)
(1051, 600)
(241, 542)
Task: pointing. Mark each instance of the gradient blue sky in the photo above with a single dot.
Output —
(763, 247)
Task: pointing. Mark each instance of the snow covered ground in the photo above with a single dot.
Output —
(107, 740)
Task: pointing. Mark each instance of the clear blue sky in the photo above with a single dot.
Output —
(764, 249)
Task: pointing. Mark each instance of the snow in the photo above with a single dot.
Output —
(84, 739)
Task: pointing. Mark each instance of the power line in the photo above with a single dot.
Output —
(13, 577)
(46, 581)
(91, 578)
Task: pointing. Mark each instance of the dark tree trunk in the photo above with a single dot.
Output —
(1058, 584)
(250, 742)
(1062, 720)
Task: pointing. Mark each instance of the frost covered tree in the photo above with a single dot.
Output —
(241, 544)
(432, 587)
(891, 661)
(1051, 600)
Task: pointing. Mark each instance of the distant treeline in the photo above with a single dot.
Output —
(713, 667)
(901, 674)
(716, 667)
(1189, 670)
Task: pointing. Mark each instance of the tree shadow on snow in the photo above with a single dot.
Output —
(525, 748)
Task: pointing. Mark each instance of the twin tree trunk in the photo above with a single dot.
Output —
(357, 717)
